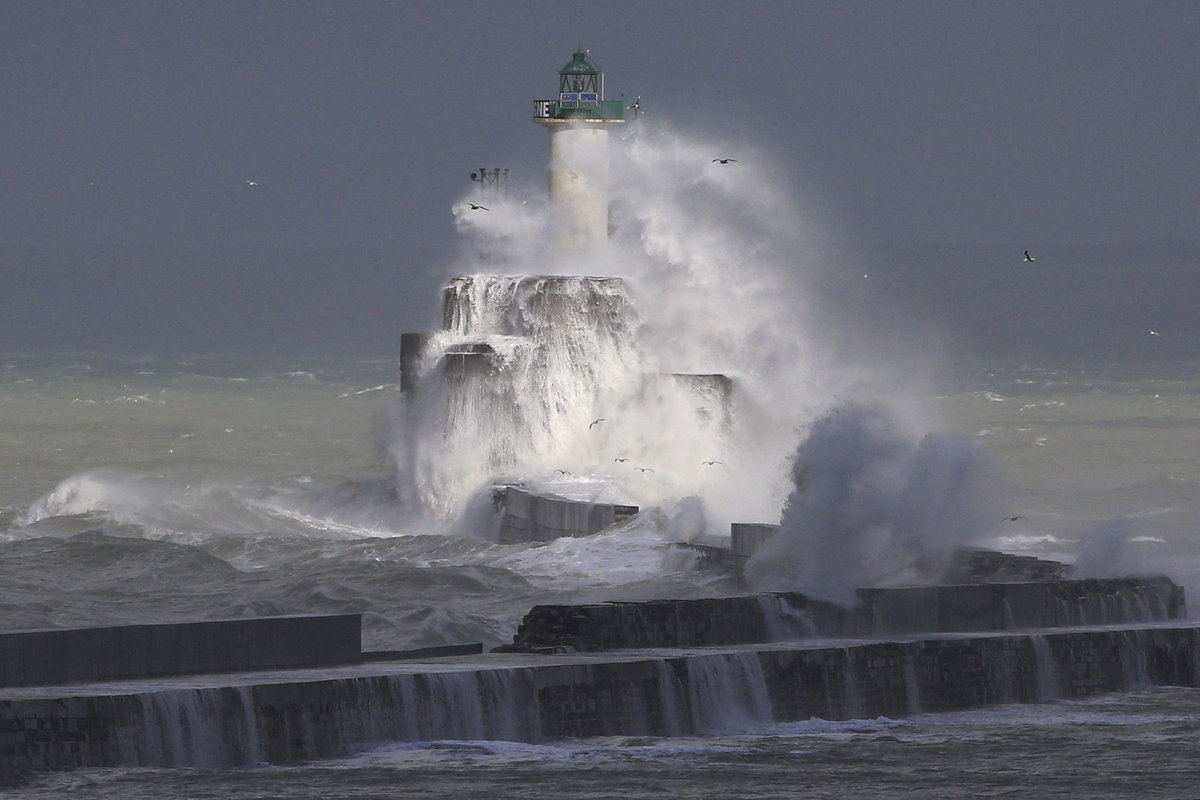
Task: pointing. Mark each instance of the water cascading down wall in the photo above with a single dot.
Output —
(278, 717)
(1094, 636)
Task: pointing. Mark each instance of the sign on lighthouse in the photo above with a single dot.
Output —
(578, 122)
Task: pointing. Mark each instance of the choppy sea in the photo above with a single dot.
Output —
(149, 490)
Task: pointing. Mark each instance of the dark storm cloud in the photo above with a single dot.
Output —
(299, 159)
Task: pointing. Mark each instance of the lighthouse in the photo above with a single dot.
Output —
(578, 122)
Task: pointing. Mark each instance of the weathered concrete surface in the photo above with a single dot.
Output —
(528, 516)
(436, 651)
(980, 565)
(880, 612)
(77, 655)
(248, 718)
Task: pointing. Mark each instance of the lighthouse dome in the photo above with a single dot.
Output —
(579, 65)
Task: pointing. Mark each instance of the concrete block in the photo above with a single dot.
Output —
(541, 517)
(747, 537)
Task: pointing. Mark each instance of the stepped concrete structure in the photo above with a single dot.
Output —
(229, 693)
(671, 668)
(556, 335)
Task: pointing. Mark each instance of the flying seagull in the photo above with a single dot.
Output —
(1155, 333)
(620, 459)
(710, 463)
(1029, 257)
(643, 469)
(595, 422)
(1012, 519)
(562, 472)
(478, 208)
(724, 160)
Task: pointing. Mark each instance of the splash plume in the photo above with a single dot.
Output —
(874, 505)
(699, 343)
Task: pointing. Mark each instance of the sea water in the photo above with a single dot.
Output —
(153, 490)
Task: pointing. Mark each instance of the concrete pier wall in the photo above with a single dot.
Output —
(280, 718)
(65, 656)
(880, 612)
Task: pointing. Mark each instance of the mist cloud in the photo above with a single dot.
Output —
(875, 505)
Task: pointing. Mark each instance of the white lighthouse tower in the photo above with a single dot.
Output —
(578, 122)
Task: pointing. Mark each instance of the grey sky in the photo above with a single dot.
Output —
(938, 135)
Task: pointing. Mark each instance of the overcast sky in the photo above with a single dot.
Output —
(939, 135)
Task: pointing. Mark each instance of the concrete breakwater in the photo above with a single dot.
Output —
(571, 672)
(879, 612)
(247, 718)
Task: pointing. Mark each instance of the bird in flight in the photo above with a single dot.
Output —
(562, 472)
(709, 463)
(1155, 333)
(643, 469)
(595, 422)
(1012, 519)
(1029, 257)
(620, 459)
(478, 208)
(724, 160)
